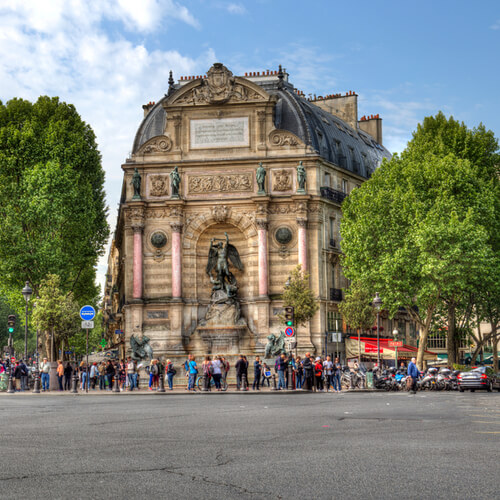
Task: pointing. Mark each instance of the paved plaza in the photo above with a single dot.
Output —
(287, 445)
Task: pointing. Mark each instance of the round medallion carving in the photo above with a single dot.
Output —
(283, 235)
(158, 239)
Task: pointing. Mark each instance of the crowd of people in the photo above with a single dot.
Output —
(289, 372)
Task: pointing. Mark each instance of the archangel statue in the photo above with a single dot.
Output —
(219, 256)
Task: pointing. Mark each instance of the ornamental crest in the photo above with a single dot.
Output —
(282, 180)
(158, 185)
(220, 213)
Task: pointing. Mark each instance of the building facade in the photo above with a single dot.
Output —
(193, 176)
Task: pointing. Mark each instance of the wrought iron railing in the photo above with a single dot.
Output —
(332, 194)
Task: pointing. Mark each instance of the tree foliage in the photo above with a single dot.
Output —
(356, 309)
(56, 315)
(424, 229)
(299, 295)
(53, 213)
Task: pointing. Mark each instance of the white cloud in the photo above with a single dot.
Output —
(496, 25)
(236, 8)
(60, 47)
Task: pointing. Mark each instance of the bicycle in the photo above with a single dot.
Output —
(199, 383)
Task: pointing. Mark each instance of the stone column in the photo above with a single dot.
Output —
(176, 260)
(262, 226)
(302, 223)
(137, 262)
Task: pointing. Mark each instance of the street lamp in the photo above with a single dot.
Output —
(377, 303)
(27, 292)
(395, 334)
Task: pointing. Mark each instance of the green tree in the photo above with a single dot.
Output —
(78, 342)
(299, 295)
(419, 231)
(56, 315)
(53, 213)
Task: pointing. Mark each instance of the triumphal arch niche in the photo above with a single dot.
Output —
(224, 194)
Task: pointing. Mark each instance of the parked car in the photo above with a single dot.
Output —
(478, 378)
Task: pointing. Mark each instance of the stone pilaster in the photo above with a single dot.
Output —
(262, 226)
(176, 260)
(302, 223)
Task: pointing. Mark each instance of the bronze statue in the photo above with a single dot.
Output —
(219, 256)
(136, 182)
(261, 179)
(276, 345)
(301, 178)
(175, 181)
(140, 348)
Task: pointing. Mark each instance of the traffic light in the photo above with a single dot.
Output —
(11, 322)
(289, 316)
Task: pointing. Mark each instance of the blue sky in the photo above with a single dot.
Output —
(406, 60)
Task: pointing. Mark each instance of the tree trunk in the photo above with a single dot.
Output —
(494, 344)
(452, 346)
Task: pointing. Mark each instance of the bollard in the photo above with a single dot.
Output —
(244, 385)
(10, 389)
(116, 387)
(204, 388)
(36, 386)
(275, 387)
(161, 387)
(290, 378)
(74, 383)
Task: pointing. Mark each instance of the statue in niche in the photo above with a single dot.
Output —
(301, 178)
(136, 182)
(261, 179)
(175, 182)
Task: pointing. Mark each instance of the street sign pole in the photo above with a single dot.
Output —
(87, 367)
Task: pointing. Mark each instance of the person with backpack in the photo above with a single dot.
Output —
(217, 372)
(24, 375)
(153, 375)
(171, 371)
(193, 371)
(280, 366)
(257, 370)
(299, 373)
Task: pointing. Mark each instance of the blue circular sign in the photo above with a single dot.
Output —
(289, 331)
(87, 313)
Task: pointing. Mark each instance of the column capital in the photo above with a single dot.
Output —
(262, 224)
(302, 222)
(137, 227)
(176, 227)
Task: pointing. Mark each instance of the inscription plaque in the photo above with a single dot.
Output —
(219, 133)
(157, 314)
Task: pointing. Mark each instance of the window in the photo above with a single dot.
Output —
(334, 320)
(327, 180)
(332, 231)
(333, 277)
(413, 330)
(345, 186)
(402, 329)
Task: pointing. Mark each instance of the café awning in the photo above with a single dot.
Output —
(368, 348)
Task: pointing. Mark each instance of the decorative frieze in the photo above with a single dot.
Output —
(162, 144)
(158, 185)
(281, 138)
(220, 183)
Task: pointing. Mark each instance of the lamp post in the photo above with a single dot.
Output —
(36, 371)
(395, 334)
(27, 293)
(377, 303)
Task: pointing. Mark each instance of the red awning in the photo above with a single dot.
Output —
(371, 346)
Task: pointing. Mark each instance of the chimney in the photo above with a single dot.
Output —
(147, 107)
(372, 125)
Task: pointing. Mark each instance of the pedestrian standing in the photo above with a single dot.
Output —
(337, 370)
(240, 368)
(68, 372)
(17, 376)
(94, 375)
(299, 373)
(217, 372)
(122, 374)
(266, 375)
(207, 372)
(414, 373)
(102, 375)
(24, 375)
(60, 374)
(328, 371)
(45, 369)
(280, 366)
(193, 371)
(318, 374)
(225, 367)
(131, 373)
(257, 370)
(308, 372)
(170, 374)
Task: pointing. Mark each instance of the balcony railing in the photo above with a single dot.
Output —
(332, 194)
(336, 294)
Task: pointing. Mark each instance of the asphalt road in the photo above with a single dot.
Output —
(225, 446)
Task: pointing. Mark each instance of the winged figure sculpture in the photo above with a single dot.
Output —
(219, 256)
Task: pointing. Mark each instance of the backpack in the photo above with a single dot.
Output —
(154, 369)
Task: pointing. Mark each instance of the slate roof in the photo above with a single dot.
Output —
(334, 140)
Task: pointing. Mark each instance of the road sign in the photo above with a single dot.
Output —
(289, 331)
(118, 332)
(336, 336)
(394, 343)
(87, 324)
(87, 313)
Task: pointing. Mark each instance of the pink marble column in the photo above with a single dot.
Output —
(263, 267)
(302, 223)
(137, 266)
(176, 260)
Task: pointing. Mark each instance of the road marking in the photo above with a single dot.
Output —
(487, 432)
(484, 422)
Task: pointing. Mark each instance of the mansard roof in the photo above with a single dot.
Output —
(331, 137)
